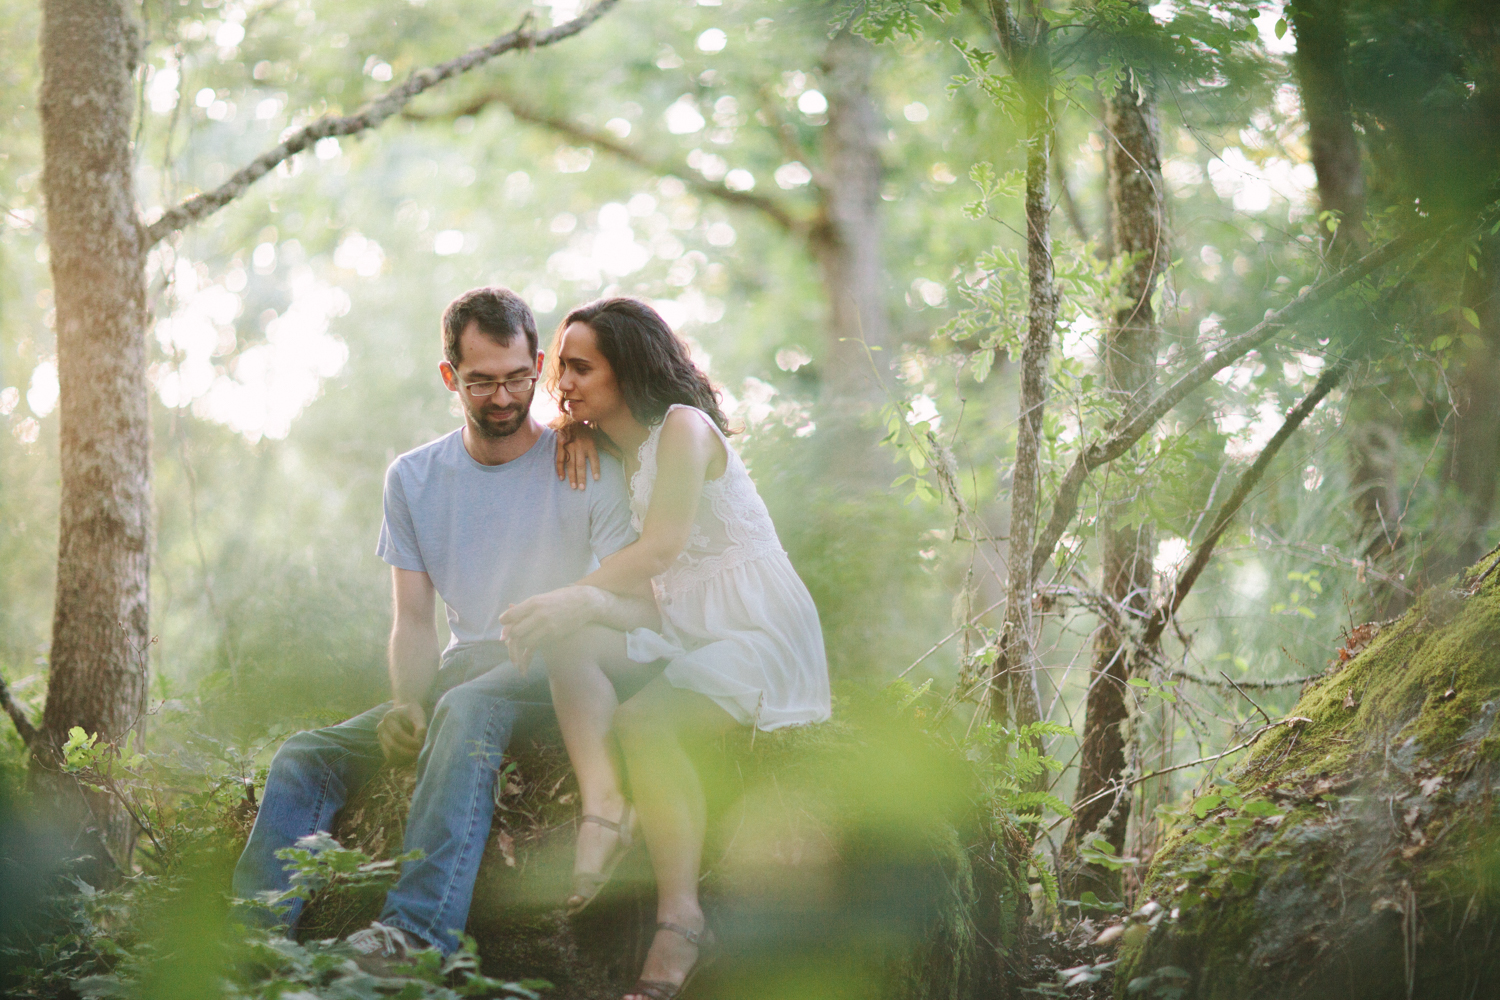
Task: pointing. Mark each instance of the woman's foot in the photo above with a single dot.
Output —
(602, 843)
(676, 953)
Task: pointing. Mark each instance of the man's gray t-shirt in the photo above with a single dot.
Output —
(490, 536)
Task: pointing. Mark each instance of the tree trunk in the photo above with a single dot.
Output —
(847, 243)
(100, 620)
(1321, 64)
(1138, 230)
(1015, 695)
(1474, 453)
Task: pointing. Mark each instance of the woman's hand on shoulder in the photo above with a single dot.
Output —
(577, 450)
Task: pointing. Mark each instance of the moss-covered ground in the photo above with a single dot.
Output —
(1355, 854)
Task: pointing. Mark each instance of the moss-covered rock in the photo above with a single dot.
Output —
(1355, 854)
(844, 860)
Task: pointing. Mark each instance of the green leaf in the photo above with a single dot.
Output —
(1471, 316)
(1440, 343)
(1281, 28)
(1206, 804)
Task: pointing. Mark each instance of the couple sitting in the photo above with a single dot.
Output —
(654, 616)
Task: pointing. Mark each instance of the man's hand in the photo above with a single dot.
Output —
(402, 732)
(538, 619)
(576, 451)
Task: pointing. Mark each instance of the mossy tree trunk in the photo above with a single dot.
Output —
(1137, 212)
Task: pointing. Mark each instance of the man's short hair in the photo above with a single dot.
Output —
(499, 313)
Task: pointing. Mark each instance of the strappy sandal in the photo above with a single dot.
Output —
(661, 989)
(587, 885)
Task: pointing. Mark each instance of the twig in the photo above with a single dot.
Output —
(368, 117)
(1118, 786)
(17, 714)
(1474, 587)
(1252, 685)
(1245, 696)
(944, 640)
(769, 207)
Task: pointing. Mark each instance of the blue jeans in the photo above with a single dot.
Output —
(314, 773)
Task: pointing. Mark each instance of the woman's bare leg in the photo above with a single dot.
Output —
(582, 670)
(655, 729)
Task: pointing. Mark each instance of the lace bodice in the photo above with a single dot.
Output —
(731, 528)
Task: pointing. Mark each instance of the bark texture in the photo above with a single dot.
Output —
(1016, 696)
(1139, 231)
(100, 620)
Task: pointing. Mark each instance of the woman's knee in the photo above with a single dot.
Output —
(587, 647)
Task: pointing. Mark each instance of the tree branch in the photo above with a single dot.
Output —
(1065, 505)
(17, 714)
(1183, 675)
(368, 117)
(1119, 786)
(577, 132)
(1248, 480)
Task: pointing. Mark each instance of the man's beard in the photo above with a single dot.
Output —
(494, 422)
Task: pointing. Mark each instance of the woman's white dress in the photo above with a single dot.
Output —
(738, 625)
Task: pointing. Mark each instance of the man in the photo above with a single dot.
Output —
(481, 518)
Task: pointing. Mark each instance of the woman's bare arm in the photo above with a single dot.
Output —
(688, 453)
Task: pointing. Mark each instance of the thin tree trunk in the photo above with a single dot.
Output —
(1137, 216)
(1015, 695)
(100, 619)
(847, 244)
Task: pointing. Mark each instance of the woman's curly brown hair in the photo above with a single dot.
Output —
(650, 362)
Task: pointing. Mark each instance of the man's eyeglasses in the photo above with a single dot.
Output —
(514, 386)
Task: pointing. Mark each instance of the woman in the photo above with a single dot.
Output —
(739, 632)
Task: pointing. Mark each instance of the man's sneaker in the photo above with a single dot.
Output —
(379, 950)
